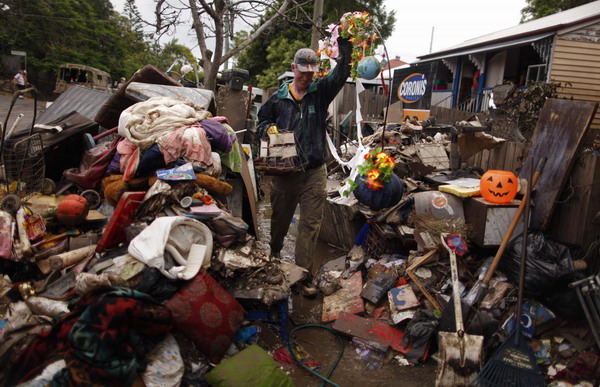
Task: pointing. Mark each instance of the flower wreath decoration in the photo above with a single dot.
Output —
(359, 29)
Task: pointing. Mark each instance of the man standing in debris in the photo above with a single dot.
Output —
(300, 105)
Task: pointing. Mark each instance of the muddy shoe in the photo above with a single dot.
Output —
(308, 289)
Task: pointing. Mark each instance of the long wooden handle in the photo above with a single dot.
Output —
(513, 224)
(460, 327)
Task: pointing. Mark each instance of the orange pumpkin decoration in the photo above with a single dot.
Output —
(498, 186)
(72, 210)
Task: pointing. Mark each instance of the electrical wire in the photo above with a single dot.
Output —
(292, 344)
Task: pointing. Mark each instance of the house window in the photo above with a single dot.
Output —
(536, 73)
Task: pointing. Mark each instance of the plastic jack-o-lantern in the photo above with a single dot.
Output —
(498, 186)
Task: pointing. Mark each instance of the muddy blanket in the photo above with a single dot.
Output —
(104, 340)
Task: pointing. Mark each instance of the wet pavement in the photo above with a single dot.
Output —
(320, 344)
(21, 106)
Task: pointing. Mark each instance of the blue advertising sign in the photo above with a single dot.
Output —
(413, 85)
(412, 88)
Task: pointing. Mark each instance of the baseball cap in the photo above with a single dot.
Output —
(306, 60)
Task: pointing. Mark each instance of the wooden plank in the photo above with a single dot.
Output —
(509, 163)
(249, 191)
(572, 221)
(577, 50)
(575, 63)
(577, 86)
(583, 93)
(560, 128)
(577, 56)
(500, 157)
(574, 43)
(569, 68)
(370, 329)
(485, 158)
(569, 74)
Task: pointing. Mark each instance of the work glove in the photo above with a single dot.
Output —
(272, 129)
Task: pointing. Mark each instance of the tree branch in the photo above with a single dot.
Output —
(256, 32)
(199, 28)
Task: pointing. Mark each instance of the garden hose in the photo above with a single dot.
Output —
(292, 345)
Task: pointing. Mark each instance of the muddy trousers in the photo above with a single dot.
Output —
(309, 189)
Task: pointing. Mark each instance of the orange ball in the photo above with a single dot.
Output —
(498, 186)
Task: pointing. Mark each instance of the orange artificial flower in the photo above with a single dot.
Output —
(375, 185)
(373, 174)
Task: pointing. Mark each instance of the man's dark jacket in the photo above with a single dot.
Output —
(308, 124)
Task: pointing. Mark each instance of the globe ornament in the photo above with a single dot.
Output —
(368, 67)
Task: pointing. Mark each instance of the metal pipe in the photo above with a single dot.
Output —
(588, 316)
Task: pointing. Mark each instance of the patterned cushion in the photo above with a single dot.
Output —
(206, 314)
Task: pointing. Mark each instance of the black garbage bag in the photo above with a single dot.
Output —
(549, 264)
(154, 283)
(548, 272)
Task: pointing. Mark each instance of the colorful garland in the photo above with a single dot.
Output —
(359, 29)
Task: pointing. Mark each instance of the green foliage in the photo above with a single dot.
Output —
(254, 57)
(536, 9)
(172, 52)
(280, 54)
(87, 32)
(526, 104)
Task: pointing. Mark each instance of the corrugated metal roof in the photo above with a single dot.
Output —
(539, 26)
(83, 100)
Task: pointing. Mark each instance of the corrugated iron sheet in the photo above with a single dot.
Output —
(83, 100)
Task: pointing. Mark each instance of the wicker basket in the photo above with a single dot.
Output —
(280, 156)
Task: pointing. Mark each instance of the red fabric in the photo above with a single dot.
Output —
(130, 159)
(93, 165)
(206, 314)
(475, 80)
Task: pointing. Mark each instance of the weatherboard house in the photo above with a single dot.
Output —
(562, 48)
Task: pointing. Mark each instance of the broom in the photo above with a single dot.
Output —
(513, 364)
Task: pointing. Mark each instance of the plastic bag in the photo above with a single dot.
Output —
(549, 265)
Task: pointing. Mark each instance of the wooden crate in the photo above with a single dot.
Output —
(490, 221)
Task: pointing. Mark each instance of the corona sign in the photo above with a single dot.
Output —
(412, 88)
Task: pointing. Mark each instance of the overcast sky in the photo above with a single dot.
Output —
(453, 22)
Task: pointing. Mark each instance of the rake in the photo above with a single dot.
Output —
(513, 364)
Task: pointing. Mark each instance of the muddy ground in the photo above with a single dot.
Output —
(322, 345)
